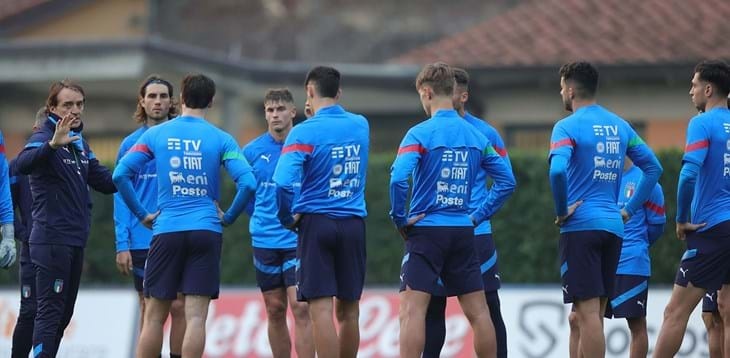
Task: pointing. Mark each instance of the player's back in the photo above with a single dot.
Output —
(712, 191)
(597, 141)
(451, 151)
(334, 174)
(188, 153)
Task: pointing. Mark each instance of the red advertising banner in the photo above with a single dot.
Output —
(237, 327)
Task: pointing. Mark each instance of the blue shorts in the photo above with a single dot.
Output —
(139, 258)
(706, 263)
(440, 260)
(588, 262)
(629, 298)
(487, 255)
(275, 268)
(185, 261)
(332, 257)
(709, 302)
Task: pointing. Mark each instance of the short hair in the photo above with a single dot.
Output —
(439, 76)
(326, 81)
(140, 116)
(278, 95)
(717, 73)
(461, 77)
(583, 75)
(197, 91)
(56, 88)
(40, 117)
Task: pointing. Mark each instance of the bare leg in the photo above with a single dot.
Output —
(275, 301)
(196, 312)
(676, 315)
(323, 327)
(304, 341)
(348, 314)
(476, 311)
(150, 340)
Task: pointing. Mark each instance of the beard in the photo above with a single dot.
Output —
(567, 105)
(701, 107)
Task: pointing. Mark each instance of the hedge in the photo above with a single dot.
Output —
(526, 238)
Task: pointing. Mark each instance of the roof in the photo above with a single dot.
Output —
(616, 32)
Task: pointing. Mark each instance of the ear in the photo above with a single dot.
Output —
(212, 100)
(339, 93)
(465, 97)
(708, 90)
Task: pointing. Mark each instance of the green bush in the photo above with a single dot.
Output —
(527, 240)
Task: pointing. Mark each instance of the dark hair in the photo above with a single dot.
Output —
(461, 77)
(278, 95)
(584, 77)
(140, 115)
(56, 88)
(439, 76)
(40, 117)
(326, 81)
(197, 91)
(717, 73)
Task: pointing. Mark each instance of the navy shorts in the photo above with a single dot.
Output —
(275, 268)
(706, 263)
(629, 298)
(185, 261)
(709, 302)
(439, 257)
(332, 257)
(139, 258)
(487, 255)
(588, 264)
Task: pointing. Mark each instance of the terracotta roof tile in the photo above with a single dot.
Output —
(550, 32)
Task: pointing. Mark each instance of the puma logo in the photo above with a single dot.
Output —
(266, 157)
(684, 272)
(640, 304)
(565, 289)
(711, 297)
(401, 277)
(496, 275)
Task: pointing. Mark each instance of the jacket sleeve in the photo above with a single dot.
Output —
(99, 176)
(36, 153)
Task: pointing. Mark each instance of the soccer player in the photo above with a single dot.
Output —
(61, 168)
(154, 106)
(486, 251)
(329, 154)
(704, 187)
(185, 251)
(713, 323)
(586, 161)
(22, 199)
(274, 246)
(629, 299)
(443, 155)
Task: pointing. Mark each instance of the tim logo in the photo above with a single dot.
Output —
(727, 127)
(602, 131)
(352, 150)
(173, 144)
(454, 155)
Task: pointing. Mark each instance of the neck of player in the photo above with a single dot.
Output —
(580, 103)
(194, 112)
(441, 103)
(322, 102)
(280, 136)
(151, 122)
(714, 102)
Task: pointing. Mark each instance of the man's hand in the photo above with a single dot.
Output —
(295, 222)
(150, 219)
(560, 220)
(60, 136)
(403, 229)
(221, 214)
(625, 215)
(124, 262)
(684, 228)
(7, 246)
